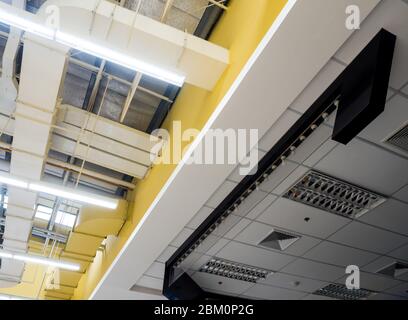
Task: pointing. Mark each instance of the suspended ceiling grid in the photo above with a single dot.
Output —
(373, 241)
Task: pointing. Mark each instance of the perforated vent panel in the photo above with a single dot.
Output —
(400, 139)
(339, 291)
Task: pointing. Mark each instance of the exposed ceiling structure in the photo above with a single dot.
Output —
(69, 118)
(299, 250)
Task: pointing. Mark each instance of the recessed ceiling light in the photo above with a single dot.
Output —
(333, 195)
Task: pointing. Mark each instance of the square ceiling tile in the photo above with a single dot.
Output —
(150, 282)
(336, 254)
(226, 225)
(392, 15)
(366, 165)
(277, 176)
(256, 232)
(273, 293)
(311, 144)
(320, 153)
(402, 194)
(400, 253)
(368, 238)
(389, 122)
(314, 270)
(254, 256)
(374, 282)
(236, 174)
(221, 243)
(241, 225)
(214, 282)
(391, 215)
(279, 128)
(166, 254)
(261, 206)
(199, 217)
(250, 202)
(181, 237)
(221, 193)
(400, 290)
(292, 282)
(300, 218)
(156, 270)
(317, 86)
(292, 179)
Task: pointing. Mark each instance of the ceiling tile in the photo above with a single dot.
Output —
(402, 194)
(261, 206)
(369, 238)
(384, 296)
(256, 232)
(221, 193)
(391, 15)
(156, 270)
(336, 254)
(273, 293)
(254, 256)
(312, 143)
(166, 254)
(391, 215)
(217, 246)
(314, 270)
(382, 263)
(400, 290)
(318, 85)
(292, 282)
(388, 123)
(374, 282)
(214, 282)
(400, 253)
(294, 177)
(250, 202)
(279, 128)
(386, 173)
(278, 176)
(241, 225)
(226, 225)
(150, 282)
(199, 217)
(291, 215)
(181, 237)
(236, 174)
(321, 152)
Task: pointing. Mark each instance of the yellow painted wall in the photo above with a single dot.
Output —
(240, 30)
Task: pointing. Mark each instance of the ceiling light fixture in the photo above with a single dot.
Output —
(39, 260)
(62, 192)
(89, 47)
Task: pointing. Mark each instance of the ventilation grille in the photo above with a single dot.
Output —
(233, 270)
(333, 195)
(279, 240)
(400, 139)
(395, 270)
(339, 291)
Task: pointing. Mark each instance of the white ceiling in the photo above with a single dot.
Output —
(328, 242)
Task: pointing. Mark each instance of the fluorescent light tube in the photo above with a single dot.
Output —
(73, 195)
(13, 182)
(119, 58)
(91, 48)
(40, 260)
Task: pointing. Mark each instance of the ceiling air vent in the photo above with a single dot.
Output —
(333, 195)
(395, 270)
(400, 139)
(234, 270)
(279, 240)
(340, 291)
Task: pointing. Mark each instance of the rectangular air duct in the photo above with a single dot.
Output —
(279, 240)
(400, 139)
(340, 291)
(234, 270)
(333, 195)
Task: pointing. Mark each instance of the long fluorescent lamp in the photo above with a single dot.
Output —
(40, 260)
(71, 195)
(62, 192)
(91, 48)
